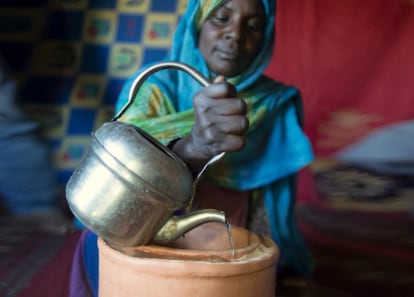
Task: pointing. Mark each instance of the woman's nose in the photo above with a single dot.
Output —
(234, 31)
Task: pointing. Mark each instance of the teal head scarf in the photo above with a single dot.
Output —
(185, 43)
(276, 146)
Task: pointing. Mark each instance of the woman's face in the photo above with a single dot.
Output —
(232, 35)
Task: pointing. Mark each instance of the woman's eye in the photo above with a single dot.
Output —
(218, 19)
(255, 26)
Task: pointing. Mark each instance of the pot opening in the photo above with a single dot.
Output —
(209, 242)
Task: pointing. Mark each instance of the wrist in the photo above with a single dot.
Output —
(183, 147)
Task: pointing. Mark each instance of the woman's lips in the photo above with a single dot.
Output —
(228, 55)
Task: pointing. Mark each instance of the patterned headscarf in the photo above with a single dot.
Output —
(205, 8)
(186, 41)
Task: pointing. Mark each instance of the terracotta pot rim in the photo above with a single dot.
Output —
(268, 256)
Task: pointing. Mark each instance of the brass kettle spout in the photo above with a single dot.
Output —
(177, 226)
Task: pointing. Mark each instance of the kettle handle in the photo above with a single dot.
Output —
(136, 84)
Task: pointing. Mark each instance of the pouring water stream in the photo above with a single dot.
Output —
(213, 160)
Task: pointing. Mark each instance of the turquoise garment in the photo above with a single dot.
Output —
(276, 148)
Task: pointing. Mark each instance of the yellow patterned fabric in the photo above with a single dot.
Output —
(206, 7)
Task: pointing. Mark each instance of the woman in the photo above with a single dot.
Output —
(253, 118)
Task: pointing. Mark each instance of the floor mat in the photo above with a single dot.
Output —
(358, 253)
(361, 232)
(33, 262)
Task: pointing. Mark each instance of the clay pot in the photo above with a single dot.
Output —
(201, 264)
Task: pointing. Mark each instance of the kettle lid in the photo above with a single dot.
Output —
(147, 158)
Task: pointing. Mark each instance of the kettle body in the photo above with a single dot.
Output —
(129, 185)
(127, 202)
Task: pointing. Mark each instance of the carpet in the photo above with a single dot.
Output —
(359, 254)
(34, 263)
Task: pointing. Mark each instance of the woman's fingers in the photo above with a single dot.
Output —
(220, 89)
(220, 119)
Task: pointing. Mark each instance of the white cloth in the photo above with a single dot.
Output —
(389, 149)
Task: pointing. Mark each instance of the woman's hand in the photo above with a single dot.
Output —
(220, 124)
(220, 120)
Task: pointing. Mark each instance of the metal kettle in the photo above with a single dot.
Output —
(129, 185)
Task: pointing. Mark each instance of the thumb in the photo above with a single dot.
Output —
(219, 79)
